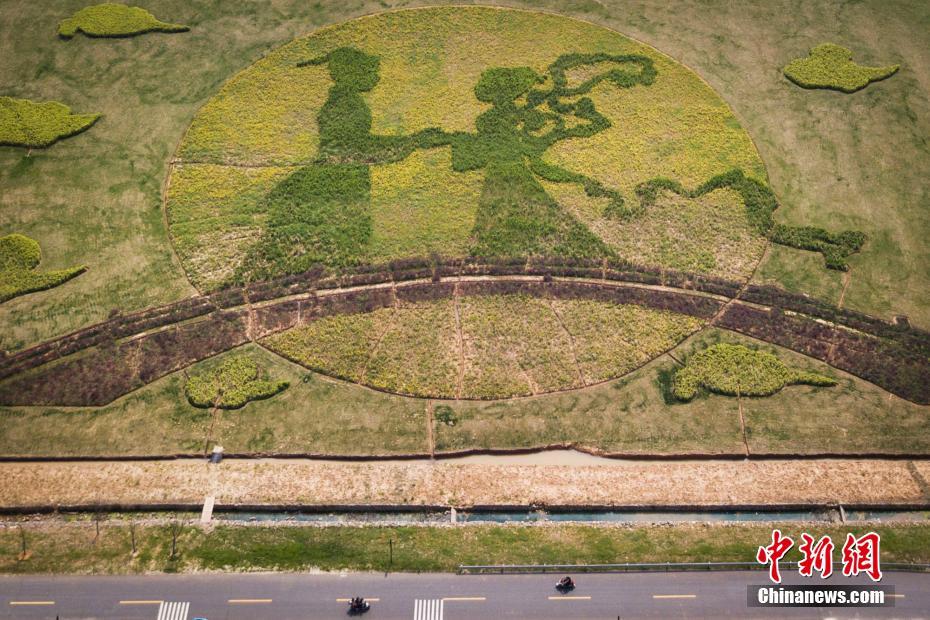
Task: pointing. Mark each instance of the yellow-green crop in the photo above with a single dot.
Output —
(114, 20)
(737, 370)
(831, 66)
(37, 125)
(19, 257)
(421, 75)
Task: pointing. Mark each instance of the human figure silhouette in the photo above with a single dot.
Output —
(321, 213)
(516, 216)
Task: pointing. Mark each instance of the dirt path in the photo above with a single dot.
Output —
(460, 379)
(430, 426)
(847, 276)
(571, 343)
(742, 421)
(389, 325)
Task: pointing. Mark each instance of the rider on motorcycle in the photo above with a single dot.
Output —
(566, 583)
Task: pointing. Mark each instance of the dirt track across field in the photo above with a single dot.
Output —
(305, 482)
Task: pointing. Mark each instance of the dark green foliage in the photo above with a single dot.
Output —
(645, 75)
(445, 415)
(665, 381)
(321, 213)
(234, 383)
(345, 120)
(19, 257)
(516, 217)
(834, 247)
(760, 204)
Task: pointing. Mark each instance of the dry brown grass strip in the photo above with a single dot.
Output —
(426, 483)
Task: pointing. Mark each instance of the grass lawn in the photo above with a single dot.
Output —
(638, 414)
(312, 415)
(70, 548)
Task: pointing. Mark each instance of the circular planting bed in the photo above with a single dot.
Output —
(461, 131)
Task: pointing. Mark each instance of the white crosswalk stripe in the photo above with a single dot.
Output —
(173, 610)
(430, 609)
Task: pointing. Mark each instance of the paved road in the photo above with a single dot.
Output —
(424, 597)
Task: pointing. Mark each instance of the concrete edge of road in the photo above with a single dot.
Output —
(513, 569)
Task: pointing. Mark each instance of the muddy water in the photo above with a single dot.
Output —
(546, 457)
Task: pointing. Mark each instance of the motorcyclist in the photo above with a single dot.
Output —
(566, 583)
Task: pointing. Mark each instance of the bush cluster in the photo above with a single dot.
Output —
(444, 414)
(114, 20)
(38, 125)
(760, 204)
(834, 247)
(19, 256)
(234, 383)
(911, 339)
(831, 66)
(736, 370)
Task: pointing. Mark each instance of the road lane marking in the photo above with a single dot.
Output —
(895, 595)
(464, 598)
(248, 601)
(32, 602)
(569, 598)
(141, 602)
(674, 596)
(173, 610)
(348, 600)
(428, 609)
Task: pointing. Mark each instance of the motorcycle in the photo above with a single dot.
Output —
(566, 584)
(358, 605)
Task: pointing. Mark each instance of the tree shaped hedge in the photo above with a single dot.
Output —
(114, 20)
(38, 125)
(233, 384)
(736, 370)
(19, 256)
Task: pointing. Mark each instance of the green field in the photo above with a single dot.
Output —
(73, 548)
